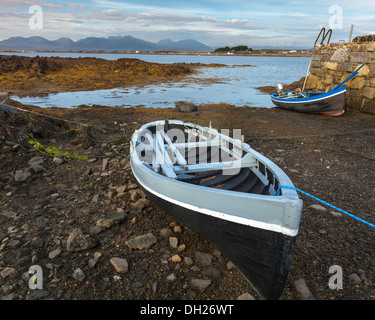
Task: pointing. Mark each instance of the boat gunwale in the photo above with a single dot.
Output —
(319, 96)
(286, 194)
(278, 201)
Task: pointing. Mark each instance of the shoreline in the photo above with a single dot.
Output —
(255, 53)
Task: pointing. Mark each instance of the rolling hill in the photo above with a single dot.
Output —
(112, 43)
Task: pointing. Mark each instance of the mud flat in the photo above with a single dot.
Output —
(42, 75)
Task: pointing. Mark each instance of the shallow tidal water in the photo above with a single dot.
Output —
(233, 84)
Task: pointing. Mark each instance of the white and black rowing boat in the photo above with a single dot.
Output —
(224, 190)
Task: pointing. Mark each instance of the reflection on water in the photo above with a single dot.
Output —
(232, 85)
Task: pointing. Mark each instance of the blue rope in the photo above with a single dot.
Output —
(326, 203)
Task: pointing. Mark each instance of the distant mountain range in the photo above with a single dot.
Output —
(126, 43)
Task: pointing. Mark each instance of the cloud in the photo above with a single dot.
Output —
(214, 22)
(168, 20)
(109, 15)
(18, 4)
(77, 7)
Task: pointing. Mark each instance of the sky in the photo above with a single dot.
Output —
(216, 23)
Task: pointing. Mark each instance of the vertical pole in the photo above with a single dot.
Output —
(351, 33)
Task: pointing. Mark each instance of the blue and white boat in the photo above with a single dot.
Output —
(331, 103)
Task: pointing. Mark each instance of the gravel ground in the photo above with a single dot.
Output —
(84, 220)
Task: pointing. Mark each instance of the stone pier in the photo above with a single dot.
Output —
(333, 63)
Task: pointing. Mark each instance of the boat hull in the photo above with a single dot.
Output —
(333, 104)
(238, 212)
(262, 256)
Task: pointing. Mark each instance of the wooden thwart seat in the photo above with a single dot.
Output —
(167, 156)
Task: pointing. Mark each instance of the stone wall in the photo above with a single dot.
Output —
(333, 63)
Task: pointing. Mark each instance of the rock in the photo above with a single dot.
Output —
(188, 261)
(183, 106)
(203, 258)
(318, 208)
(6, 288)
(212, 273)
(95, 230)
(336, 214)
(10, 214)
(216, 254)
(181, 247)
(302, 289)
(176, 258)
(355, 278)
(369, 93)
(95, 198)
(8, 272)
(323, 231)
(154, 286)
(312, 81)
(121, 189)
(135, 195)
(120, 265)
(21, 176)
(330, 65)
(37, 168)
(140, 204)
(246, 296)
(110, 221)
(57, 160)
(172, 277)
(364, 71)
(358, 83)
(105, 164)
(37, 243)
(165, 232)
(200, 284)
(11, 296)
(340, 55)
(79, 275)
(94, 261)
(132, 186)
(12, 229)
(54, 254)
(36, 160)
(141, 242)
(173, 242)
(37, 294)
(77, 241)
(87, 172)
(164, 259)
